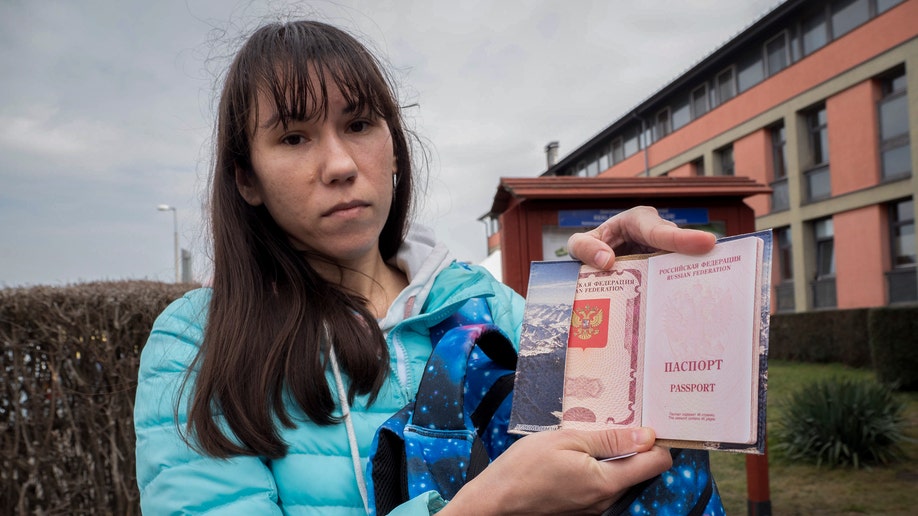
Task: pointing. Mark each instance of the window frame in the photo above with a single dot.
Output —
(681, 103)
(786, 50)
(895, 228)
(662, 127)
(821, 244)
(726, 167)
(705, 100)
(731, 70)
(822, 12)
(697, 166)
(834, 32)
(890, 94)
(617, 150)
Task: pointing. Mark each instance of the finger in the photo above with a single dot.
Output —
(589, 248)
(613, 442)
(643, 225)
(639, 229)
(667, 237)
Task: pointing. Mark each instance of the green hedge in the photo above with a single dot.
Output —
(883, 338)
(894, 345)
(821, 336)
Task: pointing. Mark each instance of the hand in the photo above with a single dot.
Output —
(638, 230)
(556, 472)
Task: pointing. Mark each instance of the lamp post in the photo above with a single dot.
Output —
(166, 207)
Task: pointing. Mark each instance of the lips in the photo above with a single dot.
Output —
(344, 206)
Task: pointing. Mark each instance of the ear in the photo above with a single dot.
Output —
(247, 185)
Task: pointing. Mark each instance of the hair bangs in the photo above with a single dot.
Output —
(300, 71)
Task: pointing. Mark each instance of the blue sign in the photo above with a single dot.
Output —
(593, 218)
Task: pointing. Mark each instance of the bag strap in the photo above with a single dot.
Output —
(443, 382)
(473, 311)
(452, 360)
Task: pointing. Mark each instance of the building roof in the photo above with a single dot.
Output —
(572, 187)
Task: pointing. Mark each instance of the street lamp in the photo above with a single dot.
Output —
(166, 207)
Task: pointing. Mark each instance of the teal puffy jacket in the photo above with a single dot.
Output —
(317, 474)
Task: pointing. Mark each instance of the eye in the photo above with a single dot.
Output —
(293, 139)
(359, 126)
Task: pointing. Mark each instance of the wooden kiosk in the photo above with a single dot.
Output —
(537, 215)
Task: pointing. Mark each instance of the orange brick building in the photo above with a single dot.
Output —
(817, 99)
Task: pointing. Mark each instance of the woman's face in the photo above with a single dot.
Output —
(327, 182)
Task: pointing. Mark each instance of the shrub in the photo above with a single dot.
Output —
(842, 422)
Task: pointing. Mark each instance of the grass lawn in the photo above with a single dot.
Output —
(798, 489)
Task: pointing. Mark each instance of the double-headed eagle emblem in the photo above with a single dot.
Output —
(585, 321)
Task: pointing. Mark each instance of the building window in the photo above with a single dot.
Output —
(848, 14)
(825, 247)
(725, 164)
(780, 198)
(895, 151)
(902, 226)
(661, 125)
(604, 158)
(834, 20)
(645, 137)
(492, 225)
(784, 290)
(632, 142)
(698, 167)
(794, 46)
(815, 32)
(618, 150)
(724, 86)
(885, 5)
(776, 54)
(699, 101)
(682, 114)
(824, 283)
(592, 168)
(779, 152)
(818, 185)
(750, 70)
(901, 281)
(818, 129)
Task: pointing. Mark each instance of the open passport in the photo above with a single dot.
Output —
(674, 342)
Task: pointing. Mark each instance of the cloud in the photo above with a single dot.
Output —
(37, 132)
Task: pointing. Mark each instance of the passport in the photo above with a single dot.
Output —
(678, 343)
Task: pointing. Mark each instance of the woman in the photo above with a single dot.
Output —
(262, 393)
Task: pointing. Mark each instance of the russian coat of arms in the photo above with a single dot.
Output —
(585, 321)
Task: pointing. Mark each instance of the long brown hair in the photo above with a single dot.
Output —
(265, 337)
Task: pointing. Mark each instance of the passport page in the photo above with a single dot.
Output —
(604, 363)
(701, 355)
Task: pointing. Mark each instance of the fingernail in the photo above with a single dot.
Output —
(602, 258)
(642, 436)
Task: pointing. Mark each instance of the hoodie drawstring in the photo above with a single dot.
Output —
(349, 425)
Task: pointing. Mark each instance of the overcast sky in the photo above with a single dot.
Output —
(106, 108)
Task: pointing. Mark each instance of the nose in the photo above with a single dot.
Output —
(338, 165)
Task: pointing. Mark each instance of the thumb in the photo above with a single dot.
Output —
(611, 443)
